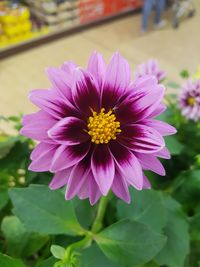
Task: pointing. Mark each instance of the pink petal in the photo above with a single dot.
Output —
(94, 192)
(146, 105)
(42, 157)
(40, 149)
(159, 110)
(128, 165)
(60, 82)
(143, 83)
(51, 102)
(69, 131)
(84, 190)
(90, 189)
(67, 156)
(117, 73)
(151, 163)
(150, 67)
(146, 183)
(140, 105)
(78, 176)
(69, 68)
(85, 93)
(117, 79)
(141, 138)
(97, 67)
(120, 188)
(103, 168)
(163, 153)
(162, 127)
(60, 179)
(36, 125)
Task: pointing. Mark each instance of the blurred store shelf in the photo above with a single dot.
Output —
(55, 19)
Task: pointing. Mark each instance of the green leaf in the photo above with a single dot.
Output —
(6, 144)
(150, 264)
(187, 188)
(129, 242)
(195, 227)
(176, 249)
(85, 212)
(15, 157)
(174, 146)
(57, 251)
(185, 74)
(146, 207)
(47, 263)
(19, 241)
(4, 198)
(6, 261)
(93, 256)
(44, 211)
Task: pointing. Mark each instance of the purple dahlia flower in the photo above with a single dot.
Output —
(189, 100)
(150, 67)
(97, 129)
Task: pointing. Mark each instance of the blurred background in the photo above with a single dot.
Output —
(35, 34)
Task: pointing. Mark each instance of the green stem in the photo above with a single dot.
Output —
(85, 242)
(97, 225)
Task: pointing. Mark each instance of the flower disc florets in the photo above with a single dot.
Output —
(103, 127)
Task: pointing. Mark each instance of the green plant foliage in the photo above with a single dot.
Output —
(57, 251)
(13, 162)
(174, 146)
(20, 243)
(93, 256)
(185, 74)
(6, 144)
(4, 198)
(47, 263)
(162, 213)
(6, 261)
(176, 249)
(85, 213)
(37, 207)
(195, 224)
(130, 242)
(187, 188)
(145, 208)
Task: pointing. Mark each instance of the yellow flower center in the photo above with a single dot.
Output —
(191, 101)
(102, 127)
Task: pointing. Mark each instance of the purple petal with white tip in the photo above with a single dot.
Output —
(103, 168)
(60, 179)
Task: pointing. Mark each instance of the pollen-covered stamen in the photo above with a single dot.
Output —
(103, 127)
(191, 101)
